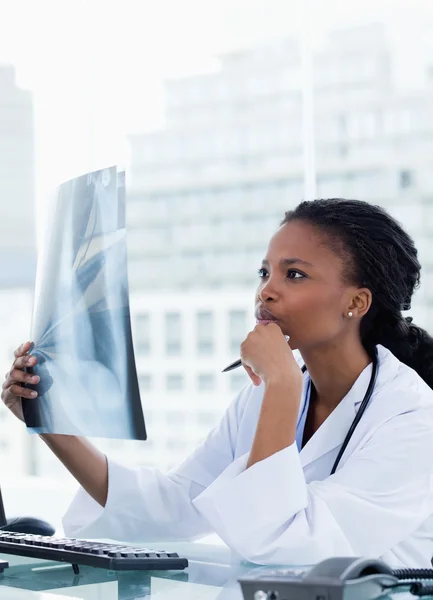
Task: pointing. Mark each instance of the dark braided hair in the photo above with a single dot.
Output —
(382, 257)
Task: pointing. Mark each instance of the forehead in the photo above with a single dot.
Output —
(305, 242)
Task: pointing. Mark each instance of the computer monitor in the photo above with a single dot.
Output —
(23, 524)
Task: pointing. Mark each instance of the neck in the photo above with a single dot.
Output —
(334, 369)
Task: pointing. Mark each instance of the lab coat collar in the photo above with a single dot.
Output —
(332, 432)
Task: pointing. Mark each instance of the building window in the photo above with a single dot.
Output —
(173, 334)
(205, 333)
(237, 329)
(142, 334)
(174, 382)
(206, 382)
(406, 179)
(238, 381)
(145, 382)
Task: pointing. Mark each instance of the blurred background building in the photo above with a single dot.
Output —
(17, 247)
(17, 183)
(208, 188)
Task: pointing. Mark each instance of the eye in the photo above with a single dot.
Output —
(293, 274)
(262, 273)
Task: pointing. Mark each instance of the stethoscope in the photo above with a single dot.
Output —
(364, 403)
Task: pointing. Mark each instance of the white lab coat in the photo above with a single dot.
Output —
(287, 509)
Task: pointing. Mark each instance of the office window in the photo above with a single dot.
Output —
(174, 382)
(145, 382)
(238, 381)
(237, 329)
(142, 334)
(206, 382)
(205, 333)
(173, 334)
(406, 179)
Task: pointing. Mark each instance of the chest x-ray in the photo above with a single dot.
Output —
(81, 320)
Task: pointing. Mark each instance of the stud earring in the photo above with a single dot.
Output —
(350, 313)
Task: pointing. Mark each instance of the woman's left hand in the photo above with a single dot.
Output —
(267, 356)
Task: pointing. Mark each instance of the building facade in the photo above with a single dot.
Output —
(17, 251)
(17, 183)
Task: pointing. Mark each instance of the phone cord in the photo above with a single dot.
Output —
(416, 587)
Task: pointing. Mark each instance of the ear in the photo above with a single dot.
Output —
(360, 302)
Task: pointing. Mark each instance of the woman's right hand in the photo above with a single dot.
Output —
(13, 389)
(87, 464)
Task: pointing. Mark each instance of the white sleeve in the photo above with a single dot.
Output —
(270, 515)
(144, 503)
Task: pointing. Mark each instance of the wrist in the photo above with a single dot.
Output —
(283, 381)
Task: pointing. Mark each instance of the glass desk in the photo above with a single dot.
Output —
(212, 573)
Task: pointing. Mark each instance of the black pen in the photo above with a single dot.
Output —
(233, 365)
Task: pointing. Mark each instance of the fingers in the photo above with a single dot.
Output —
(269, 326)
(17, 376)
(21, 376)
(25, 361)
(22, 392)
(12, 384)
(254, 378)
(23, 349)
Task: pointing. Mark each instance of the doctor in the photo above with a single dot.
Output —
(336, 276)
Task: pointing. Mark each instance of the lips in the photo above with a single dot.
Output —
(265, 316)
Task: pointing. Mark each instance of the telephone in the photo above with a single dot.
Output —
(339, 578)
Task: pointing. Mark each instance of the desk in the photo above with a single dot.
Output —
(212, 574)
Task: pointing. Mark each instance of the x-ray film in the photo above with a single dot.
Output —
(81, 320)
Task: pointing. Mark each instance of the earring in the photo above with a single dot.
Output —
(350, 313)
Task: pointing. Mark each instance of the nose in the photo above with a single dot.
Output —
(267, 292)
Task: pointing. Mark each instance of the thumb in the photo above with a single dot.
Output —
(254, 378)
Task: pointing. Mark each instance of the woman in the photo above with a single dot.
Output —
(336, 277)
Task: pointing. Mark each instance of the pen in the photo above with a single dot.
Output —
(233, 365)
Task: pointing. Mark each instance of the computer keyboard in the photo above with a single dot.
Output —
(115, 557)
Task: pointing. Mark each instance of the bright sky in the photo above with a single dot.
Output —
(96, 66)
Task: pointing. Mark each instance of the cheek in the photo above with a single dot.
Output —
(314, 314)
(313, 299)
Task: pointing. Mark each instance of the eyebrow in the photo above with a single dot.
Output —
(284, 262)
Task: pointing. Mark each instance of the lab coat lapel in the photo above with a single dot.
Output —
(332, 432)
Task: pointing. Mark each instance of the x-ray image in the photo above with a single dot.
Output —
(81, 320)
